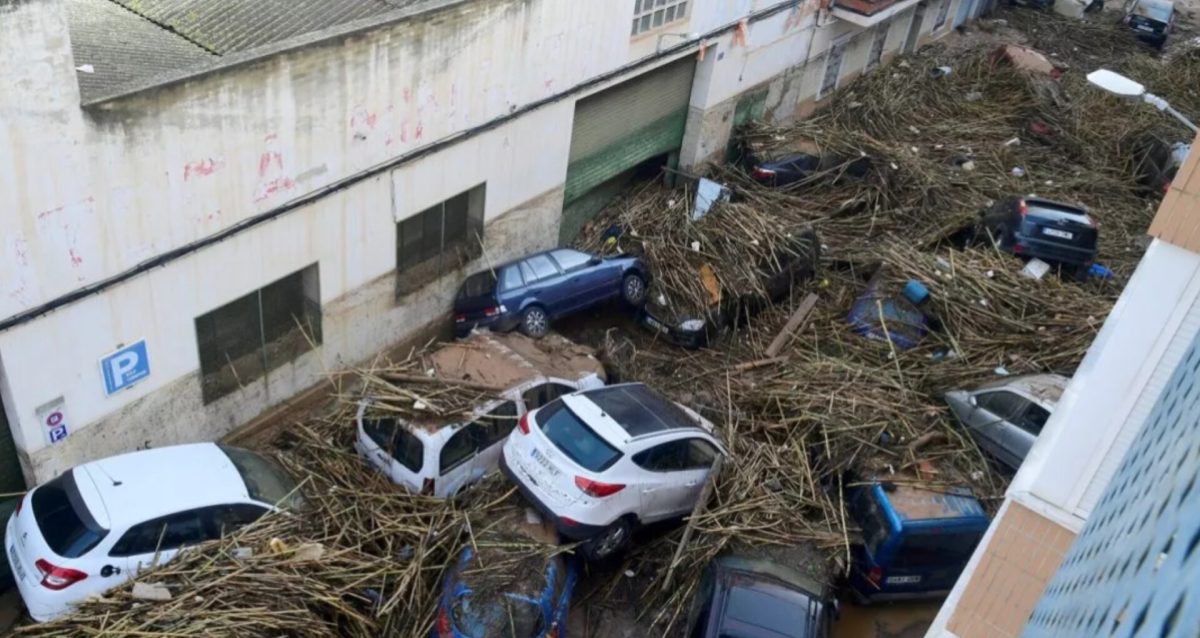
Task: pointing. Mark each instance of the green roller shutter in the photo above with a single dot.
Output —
(617, 129)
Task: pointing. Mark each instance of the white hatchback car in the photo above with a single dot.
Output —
(96, 525)
(599, 462)
(441, 457)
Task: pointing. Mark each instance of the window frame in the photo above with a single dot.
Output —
(424, 260)
(645, 11)
(204, 514)
(563, 268)
(528, 263)
(531, 405)
(1010, 417)
(215, 341)
(373, 424)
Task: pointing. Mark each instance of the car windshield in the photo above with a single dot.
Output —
(265, 480)
(507, 616)
(478, 285)
(874, 525)
(1159, 11)
(779, 610)
(1049, 212)
(64, 520)
(576, 440)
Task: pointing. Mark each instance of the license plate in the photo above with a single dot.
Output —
(543, 461)
(654, 323)
(902, 580)
(1061, 234)
(12, 560)
(1142, 27)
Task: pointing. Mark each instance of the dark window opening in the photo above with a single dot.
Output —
(244, 339)
(396, 440)
(64, 520)
(935, 550)
(439, 240)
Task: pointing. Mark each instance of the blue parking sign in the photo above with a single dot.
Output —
(125, 367)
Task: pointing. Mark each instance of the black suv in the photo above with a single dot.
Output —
(1052, 231)
(1151, 20)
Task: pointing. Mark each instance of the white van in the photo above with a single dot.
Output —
(440, 457)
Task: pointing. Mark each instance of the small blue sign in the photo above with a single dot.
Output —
(125, 367)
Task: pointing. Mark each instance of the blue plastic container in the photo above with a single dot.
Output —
(915, 292)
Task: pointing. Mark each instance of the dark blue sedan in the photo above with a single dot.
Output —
(537, 608)
(752, 597)
(531, 292)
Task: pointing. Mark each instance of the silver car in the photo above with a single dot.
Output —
(1006, 416)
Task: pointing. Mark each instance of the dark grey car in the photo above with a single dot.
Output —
(1005, 417)
(746, 597)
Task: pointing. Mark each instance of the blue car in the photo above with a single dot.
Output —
(906, 325)
(540, 611)
(916, 542)
(1054, 232)
(531, 292)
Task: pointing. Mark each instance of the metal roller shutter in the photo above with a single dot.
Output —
(11, 479)
(619, 128)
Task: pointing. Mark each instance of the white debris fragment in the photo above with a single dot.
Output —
(1035, 269)
(696, 246)
(144, 591)
(1001, 371)
(1017, 171)
(1016, 141)
(420, 405)
(86, 68)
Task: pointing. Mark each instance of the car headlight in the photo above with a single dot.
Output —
(692, 324)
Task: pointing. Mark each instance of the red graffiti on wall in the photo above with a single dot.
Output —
(202, 168)
(272, 178)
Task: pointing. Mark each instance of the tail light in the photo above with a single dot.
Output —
(494, 311)
(596, 488)
(875, 575)
(57, 578)
(568, 521)
(443, 624)
(1166, 187)
(427, 487)
(459, 318)
(1023, 208)
(524, 423)
(1018, 249)
(762, 173)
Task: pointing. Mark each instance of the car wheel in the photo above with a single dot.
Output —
(633, 289)
(534, 322)
(610, 542)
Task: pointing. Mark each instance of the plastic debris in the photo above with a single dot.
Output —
(309, 552)
(1100, 272)
(1035, 269)
(967, 166)
(1001, 371)
(974, 96)
(146, 591)
(1017, 171)
(1016, 141)
(940, 71)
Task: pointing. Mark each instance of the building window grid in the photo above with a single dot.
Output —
(652, 14)
(439, 239)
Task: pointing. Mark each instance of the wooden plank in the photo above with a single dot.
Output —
(793, 324)
(697, 510)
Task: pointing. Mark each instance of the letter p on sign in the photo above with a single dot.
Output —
(125, 367)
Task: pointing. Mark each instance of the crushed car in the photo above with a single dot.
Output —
(492, 592)
(692, 327)
(915, 542)
(881, 314)
(1006, 416)
(599, 463)
(440, 456)
(1151, 21)
(741, 595)
(97, 525)
(1156, 163)
(1033, 227)
(532, 292)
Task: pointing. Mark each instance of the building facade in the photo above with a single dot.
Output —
(1097, 530)
(205, 213)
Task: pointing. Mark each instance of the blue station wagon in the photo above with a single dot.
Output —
(531, 292)
(1052, 231)
(916, 542)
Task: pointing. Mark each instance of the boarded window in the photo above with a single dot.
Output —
(249, 336)
(439, 239)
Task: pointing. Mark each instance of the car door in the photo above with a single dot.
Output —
(495, 426)
(456, 460)
(1024, 429)
(673, 476)
(158, 540)
(585, 282)
(397, 452)
(545, 284)
(991, 419)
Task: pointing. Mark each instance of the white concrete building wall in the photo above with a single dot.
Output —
(90, 193)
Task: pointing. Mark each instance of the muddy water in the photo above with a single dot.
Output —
(898, 620)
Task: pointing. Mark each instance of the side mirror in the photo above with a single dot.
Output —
(972, 400)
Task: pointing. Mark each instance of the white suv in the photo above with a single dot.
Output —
(439, 457)
(599, 462)
(96, 525)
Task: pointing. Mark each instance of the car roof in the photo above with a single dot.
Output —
(139, 486)
(1046, 388)
(764, 608)
(638, 410)
(1053, 208)
(1154, 9)
(916, 504)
